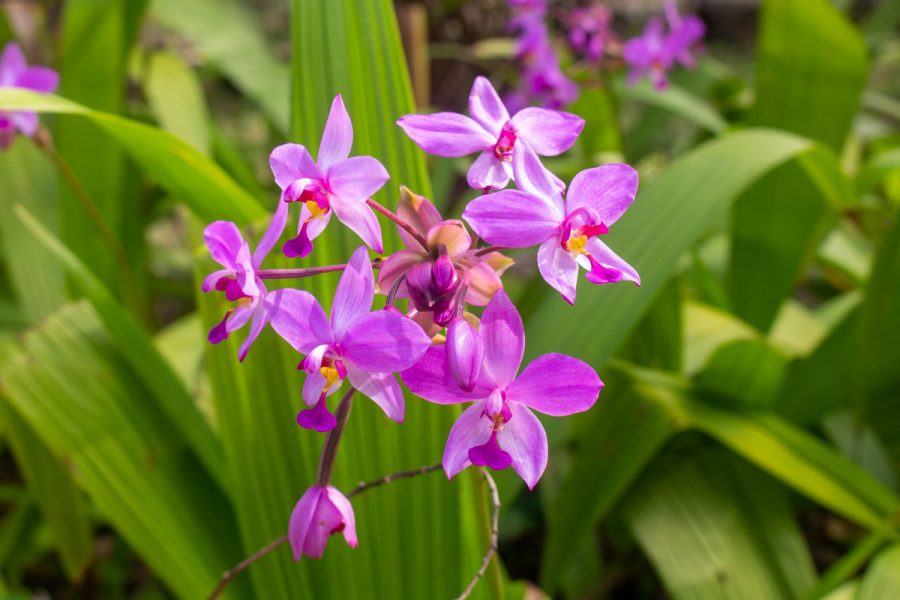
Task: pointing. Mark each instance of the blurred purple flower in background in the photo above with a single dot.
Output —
(15, 73)
(493, 133)
(335, 182)
(365, 347)
(565, 230)
(656, 51)
(589, 30)
(321, 512)
(499, 429)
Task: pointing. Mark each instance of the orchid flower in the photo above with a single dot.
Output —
(499, 429)
(565, 230)
(334, 183)
(238, 279)
(364, 347)
(433, 275)
(685, 34)
(589, 30)
(15, 73)
(321, 512)
(493, 133)
(650, 54)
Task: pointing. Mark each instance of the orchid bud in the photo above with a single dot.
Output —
(322, 511)
(443, 275)
(444, 311)
(465, 353)
(418, 283)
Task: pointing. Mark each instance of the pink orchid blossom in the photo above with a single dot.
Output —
(335, 183)
(565, 230)
(433, 276)
(499, 429)
(685, 34)
(362, 346)
(321, 512)
(492, 132)
(15, 73)
(238, 279)
(655, 51)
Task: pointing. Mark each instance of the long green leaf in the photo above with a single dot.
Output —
(676, 100)
(79, 394)
(178, 167)
(883, 578)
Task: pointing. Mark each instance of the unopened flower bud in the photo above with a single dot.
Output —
(418, 283)
(444, 311)
(322, 511)
(465, 353)
(443, 274)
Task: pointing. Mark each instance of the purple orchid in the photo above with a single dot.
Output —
(365, 347)
(238, 279)
(15, 73)
(589, 30)
(499, 429)
(565, 230)
(493, 133)
(650, 54)
(334, 183)
(321, 512)
(685, 34)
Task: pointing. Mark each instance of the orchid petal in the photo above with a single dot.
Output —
(256, 326)
(525, 440)
(512, 218)
(419, 212)
(224, 241)
(488, 172)
(483, 284)
(210, 281)
(609, 259)
(360, 219)
(531, 176)
(558, 269)
(503, 335)
(12, 63)
(609, 190)
(302, 518)
(354, 294)
(452, 234)
(38, 79)
(486, 107)
(26, 122)
(548, 132)
(299, 318)
(446, 134)
(396, 265)
(465, 353)
(430, 378)
(382, 388)
(272, 234)
(342, 504)
(337, 139)
(384, 342)
(556, 385)
(290, 162)
(470, 430)
(356, 179)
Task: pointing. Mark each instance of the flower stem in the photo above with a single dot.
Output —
(399, 221)
(488, 250)
(329, 450)
(44, 141)
(494, 535)
(307, 272)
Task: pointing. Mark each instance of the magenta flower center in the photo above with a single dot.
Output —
(503, 149)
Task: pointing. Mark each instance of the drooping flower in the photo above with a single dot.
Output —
(15, 73)
(238, 279)
(492, 132)
(499, 429)
(433, 277)
(321, 512)
(590, 28)
(565, 229)
(362, 346)
(335, 183)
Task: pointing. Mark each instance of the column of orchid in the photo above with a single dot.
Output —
(428, 330)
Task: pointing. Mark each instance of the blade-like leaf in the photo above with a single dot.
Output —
(676, 100)
(883, 578)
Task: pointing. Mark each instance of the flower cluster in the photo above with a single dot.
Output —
(657, 50)
(15, 73)
(426, 332)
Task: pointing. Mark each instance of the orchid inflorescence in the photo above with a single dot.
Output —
(426, 332)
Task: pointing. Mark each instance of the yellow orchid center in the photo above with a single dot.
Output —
(245, 301)
(576, 244)
(317, 212)
(331, 376)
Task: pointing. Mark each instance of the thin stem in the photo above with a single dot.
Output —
(363, 486)
(308, 271)
(488, 250)
(329, 450)
(44, 141)
(400, 222)
(230, 574)
(495, 529)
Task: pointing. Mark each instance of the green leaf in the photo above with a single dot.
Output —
(50, 482)
(676, 100)
(231, 37)
(877, 168)
(883, 578)
(714, 528)
(80, 396)
(745, 372)
(168, 391)
(173, 163)
(670, 213)
(27, 178)
(176, 98)
(622, 434)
